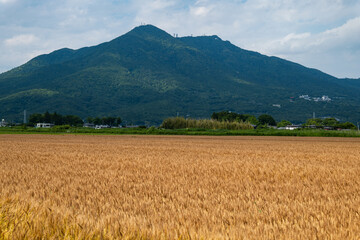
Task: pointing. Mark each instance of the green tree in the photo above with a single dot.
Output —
(234, 117)
(225, 116)
(266, 119)
(90, 119)
(47, 117)
(73, 120)
(118, 121)
(283, 123)
(346, 125)
(97, 121)
(108, 120)
(35, 118)
(251, 119)
(56, 119)
(330, 122)
(314, 121)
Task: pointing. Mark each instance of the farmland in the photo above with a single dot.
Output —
(179, 187)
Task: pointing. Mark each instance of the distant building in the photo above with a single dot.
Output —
(101, 126)
(3, 123)
(292, 127)
(306, 97)
(89, 125)
(44, 125)
(325, 98)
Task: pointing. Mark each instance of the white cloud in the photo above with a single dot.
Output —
(200, 11)
(7, 1)
(342, 38)
(19, 40)
(345, 35)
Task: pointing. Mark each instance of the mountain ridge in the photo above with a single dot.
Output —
(146, 75)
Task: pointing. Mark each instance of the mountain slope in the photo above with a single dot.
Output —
(147, 75)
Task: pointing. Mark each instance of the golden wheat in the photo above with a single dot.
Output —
(177, 187)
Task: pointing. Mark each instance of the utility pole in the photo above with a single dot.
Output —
(24, 116)
(313, 115)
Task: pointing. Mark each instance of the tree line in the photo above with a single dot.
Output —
(181, 122)
(223, 119)
(111, 121)
(329, 122)
(55, 118)
(264, 119)
(72, 120)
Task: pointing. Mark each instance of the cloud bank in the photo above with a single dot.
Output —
(323, 34)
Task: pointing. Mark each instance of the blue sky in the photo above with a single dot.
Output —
(322, 34)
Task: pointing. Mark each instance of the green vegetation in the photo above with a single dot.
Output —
(162, 131)
(180, 122)
(219, 125)
(55, 118)
(30, 93)
(283, 123)
(329, 122)
(148, 75)
(111, 121)
(266, 119)
(229, 116)
(71, 120)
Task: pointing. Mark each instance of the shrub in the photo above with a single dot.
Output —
(60, 128)
(180, 122)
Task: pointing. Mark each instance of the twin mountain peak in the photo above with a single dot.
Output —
(147, 75)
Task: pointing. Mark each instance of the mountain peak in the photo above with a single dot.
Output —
(147, 75)
(147, 31)
(147, 27)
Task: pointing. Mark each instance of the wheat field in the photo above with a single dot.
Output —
(178, 187)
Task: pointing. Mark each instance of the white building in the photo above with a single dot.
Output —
(325, 98)
(101, 126)
(44, 125)
(3, 123)
(292, 127)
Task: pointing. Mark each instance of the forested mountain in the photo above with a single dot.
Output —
(147, 75)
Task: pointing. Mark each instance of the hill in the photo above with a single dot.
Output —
(147, 75)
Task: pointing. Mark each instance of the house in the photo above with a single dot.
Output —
(3, 123)
(101, 126)
(44, 125)
(277, 105)
(89, 125)
(292, 127)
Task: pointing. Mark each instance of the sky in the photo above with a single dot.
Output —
(321, 34)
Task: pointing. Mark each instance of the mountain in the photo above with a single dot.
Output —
(147, 75)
